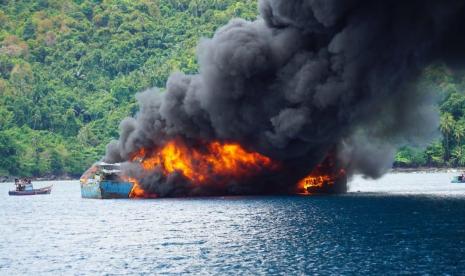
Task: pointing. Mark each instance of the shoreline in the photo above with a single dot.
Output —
(426, 170)
(9, 178)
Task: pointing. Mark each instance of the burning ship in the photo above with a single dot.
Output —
(217, 169)
(294, 102)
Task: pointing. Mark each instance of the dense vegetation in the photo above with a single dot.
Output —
(449, 147)
(69, 70)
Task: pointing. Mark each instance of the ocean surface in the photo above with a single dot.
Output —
(402, 223)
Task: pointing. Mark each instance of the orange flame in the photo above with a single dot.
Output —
(313, 182)
(137, 191)
(319, 179)
(218, 160)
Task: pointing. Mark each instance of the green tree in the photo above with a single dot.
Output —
(29, 31)
(8, 152)
(458, 155)
(410, 157)
(459, 131)
(56, 162)
(434, 154)
(446, 126)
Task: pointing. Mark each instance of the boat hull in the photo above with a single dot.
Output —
(41, 191)
(106, 189)
(458, 179)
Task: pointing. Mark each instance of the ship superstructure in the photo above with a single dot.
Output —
(105, 181)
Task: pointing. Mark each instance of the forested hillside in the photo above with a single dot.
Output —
(69, 71)
(449, 147)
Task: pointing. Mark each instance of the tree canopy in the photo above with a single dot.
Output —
(69, 71)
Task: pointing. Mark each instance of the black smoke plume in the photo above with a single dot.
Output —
(307, 78)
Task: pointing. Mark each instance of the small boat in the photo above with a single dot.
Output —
(458, 179)
(42, 191)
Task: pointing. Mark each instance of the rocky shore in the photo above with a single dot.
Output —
(426, 170)
(9, 178)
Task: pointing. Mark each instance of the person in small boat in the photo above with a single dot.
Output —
(18, 185)
(28, 184)
(461, 177)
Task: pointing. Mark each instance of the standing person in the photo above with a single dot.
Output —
(17, 185)
(28, 185)
(21, 184)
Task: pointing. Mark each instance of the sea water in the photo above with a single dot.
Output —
(402, 223)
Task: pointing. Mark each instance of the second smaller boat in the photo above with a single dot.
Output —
(458, 179)
(24, 187)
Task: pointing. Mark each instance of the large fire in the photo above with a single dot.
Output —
(216, 163)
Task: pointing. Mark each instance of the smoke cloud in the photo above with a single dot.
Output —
(308, 78)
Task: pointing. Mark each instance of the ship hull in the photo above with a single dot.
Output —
(106, 189)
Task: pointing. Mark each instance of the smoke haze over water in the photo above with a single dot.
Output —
(306, 79)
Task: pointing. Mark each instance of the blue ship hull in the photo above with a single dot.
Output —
(106, 189)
